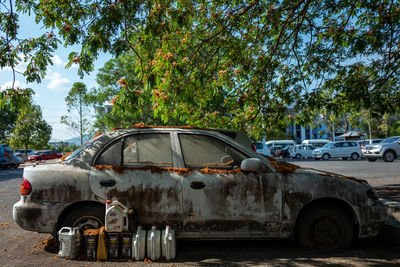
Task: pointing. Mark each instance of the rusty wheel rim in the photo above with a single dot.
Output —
(87, 222)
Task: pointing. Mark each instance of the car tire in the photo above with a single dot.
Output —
(389, 156)
(85, 217)
(298, 156)
(326, 156)
(354, 156)
(325, 228)
(371, 159)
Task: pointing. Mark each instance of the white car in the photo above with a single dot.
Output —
(302, 151)
(201, 182)
(340, 149)
(262, 148)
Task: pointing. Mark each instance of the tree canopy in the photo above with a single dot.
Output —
(237, 64)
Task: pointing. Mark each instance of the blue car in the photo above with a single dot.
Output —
(6, 157)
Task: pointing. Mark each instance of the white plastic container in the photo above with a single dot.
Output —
(154, 243)
(69, 242)
(168, 243)
(116, 217)
(139, 244)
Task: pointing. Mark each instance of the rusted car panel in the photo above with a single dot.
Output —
(205, 203)
(305, 186)
(231, 202)
(156, 197)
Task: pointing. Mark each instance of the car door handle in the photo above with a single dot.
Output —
(108, 183)
(197, 185)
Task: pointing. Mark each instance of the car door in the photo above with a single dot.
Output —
(137, 171)
(346, 149)
(221, 201)
(336, 150)
(308, 151)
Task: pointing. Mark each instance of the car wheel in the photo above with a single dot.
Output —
(324, 228)
(388, 156)
(326, 156)
(354, 156)
(371, 159)
(298, 156)
(85, 217)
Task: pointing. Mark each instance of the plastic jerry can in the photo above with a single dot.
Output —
(116, 216)
(154, 243)
(139, 244)
(70, 239)
(168, 243)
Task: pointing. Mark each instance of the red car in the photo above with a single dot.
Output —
(45, 155)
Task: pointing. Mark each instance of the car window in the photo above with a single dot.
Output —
(202, 151)
(111, 155)
(337, 145)
(353, 144)
(148, 149)
(258, 145)
(345, 144)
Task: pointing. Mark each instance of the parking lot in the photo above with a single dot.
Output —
(23, 248)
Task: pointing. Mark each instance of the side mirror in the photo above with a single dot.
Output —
(252, 165)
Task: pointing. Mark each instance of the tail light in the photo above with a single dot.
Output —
(5, 153)
(253, 147)
(26, 187)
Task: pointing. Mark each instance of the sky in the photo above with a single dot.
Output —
(51, 92)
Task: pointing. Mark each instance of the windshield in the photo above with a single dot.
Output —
(38, 153)
(327, 145)
(391, 139)
(83, 147)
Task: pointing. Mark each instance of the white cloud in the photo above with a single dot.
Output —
(57, 82)
(57, 61)
(9, 85)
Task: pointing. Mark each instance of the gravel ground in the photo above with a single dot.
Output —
(24, 248)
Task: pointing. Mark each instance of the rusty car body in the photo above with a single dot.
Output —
(201, 182)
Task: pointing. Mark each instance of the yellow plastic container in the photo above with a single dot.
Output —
(101, 245)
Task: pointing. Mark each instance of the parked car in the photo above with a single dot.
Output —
(204, 184)
(340, 149)
(45, 155)
(315, 142)
(6, 157)
(283, 152)
(302, 151)
(262, 148)
(388, 150)
(19, 158)
(29, 152)
(279, 143)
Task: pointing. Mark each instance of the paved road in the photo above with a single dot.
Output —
(24, 248)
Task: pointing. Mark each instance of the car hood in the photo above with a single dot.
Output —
(330, 175)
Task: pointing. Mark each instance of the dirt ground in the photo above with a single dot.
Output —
(24, 248)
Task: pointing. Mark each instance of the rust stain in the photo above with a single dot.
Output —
(65, 156)
(97, 135)
(142, 125)
(155, 169)
(335, 175)
(92, 232)
(4, 224)
(286, 168)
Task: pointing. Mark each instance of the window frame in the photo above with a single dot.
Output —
(233, 145)
(139, 132)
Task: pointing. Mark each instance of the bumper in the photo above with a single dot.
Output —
(372, 219)
(38, 217)
(373, 153)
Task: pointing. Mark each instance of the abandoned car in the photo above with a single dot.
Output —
(204, 184)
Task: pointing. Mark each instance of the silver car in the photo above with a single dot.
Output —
(201, 182)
